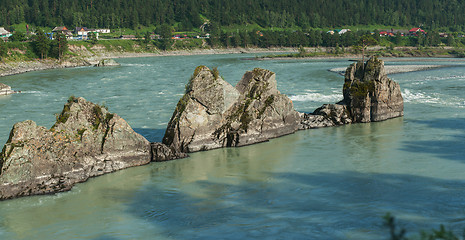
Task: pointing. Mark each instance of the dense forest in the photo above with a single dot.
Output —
(191, 14)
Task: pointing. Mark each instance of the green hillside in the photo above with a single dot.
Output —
(441, 15)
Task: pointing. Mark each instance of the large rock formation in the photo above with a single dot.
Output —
(214, 114)
(85, 141)
(369, 96)
(5, 89)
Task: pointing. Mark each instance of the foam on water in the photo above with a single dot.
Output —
(312, 96)
(418, 97)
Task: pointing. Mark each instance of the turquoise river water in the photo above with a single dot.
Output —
(331, 183)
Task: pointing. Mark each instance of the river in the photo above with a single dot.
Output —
(330, 183)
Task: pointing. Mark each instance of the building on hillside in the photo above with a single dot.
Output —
(342, 31)
(386, 33)
(63, 30)
(4, 34)
(416, 31)
(102, 30)
(339, 31)
(83, 33)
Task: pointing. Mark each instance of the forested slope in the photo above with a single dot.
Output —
(189, 14)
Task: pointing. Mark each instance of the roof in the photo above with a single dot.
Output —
(416, 30)
(3, 31)
(62, 28)
(4, 87)
(79, 29)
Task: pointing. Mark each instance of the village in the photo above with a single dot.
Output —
(84, 33)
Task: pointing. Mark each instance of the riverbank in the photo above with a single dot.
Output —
(88, 55)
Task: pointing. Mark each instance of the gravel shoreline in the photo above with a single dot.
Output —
(88, 58)
(393, 69)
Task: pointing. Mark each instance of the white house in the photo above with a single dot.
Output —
(4, 33)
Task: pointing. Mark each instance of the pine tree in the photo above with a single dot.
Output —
(3, 49)
(41, 44)
(62, 44)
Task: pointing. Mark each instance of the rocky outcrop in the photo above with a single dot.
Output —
(107, 63)
(85, 141)
(161, 153)
(5, 89)
(214, 114)
(369, 96)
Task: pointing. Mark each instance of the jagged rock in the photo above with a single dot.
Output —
(328, 115)
(107, 63)
(336, 113)
(5, 89)
(369, 94)
(213, 114)
(85, 141)
(161, 153)
(309, 121)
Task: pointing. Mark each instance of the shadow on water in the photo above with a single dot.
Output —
(447, 144)
(152, 135)
(345, 205)
(105, 238)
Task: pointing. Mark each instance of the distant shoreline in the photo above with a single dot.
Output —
(87, 58)
(84, 57)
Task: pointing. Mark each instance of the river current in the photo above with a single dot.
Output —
(329, 183)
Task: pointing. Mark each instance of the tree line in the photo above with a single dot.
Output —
(191, 14)
(316, 38)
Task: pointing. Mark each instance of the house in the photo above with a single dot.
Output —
(386, 33)
(342, 31)
(443, 35)
(416, 31)
(102, 30)
(401, 32)
(83, 33)
(63, 30)
(4, 34)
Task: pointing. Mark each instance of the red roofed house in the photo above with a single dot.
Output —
(415, 31)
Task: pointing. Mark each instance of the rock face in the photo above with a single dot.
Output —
(5, 89)
(161, 153)
(107, 63)
(214, 114)
(85, 141)
(369, 96)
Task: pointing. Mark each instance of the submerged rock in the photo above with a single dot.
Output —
(5, 89)
(85, 141)
(107, 63)
(214, 114)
